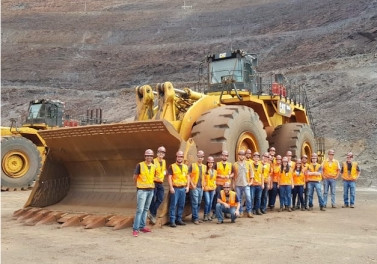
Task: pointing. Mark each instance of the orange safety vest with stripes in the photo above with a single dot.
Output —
(298, 177)
(330, 169)
(210, 180)
(179, 177)
(258, 175)
(195, 173)
(145, 178)
(276, 172)
(247, 166)
(160, 170)
(232, 198)
(311, 168)
(223, 170)
(350, 175)
(286, 178)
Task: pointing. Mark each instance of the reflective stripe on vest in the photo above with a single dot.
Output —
(195, 173)
(179, 177)
(223, 171)
(330, 170)
(232, 198)
(210, 180)
(160, 170)
(352, 175)
(146, 176)
(316, 169)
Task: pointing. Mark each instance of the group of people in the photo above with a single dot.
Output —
(224, 185)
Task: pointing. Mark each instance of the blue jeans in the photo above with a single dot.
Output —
(298, 190)
(208, 198)
(177, 203)
(272, 194)
(317, 187)
(285, 195)
(351, 187)
(326, 184)
(143, 198)
(240, 190)
(256, 194)
(158, 197)
(264, 197)
(196, 198)
(220, 209)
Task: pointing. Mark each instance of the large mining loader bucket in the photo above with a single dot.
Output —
(87, 178)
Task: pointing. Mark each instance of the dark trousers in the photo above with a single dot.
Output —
(298, 190)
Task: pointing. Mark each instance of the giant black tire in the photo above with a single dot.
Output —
(229, 128)
(21, 163)
(296, 137)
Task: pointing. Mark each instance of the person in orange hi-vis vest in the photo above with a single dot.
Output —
(298, 173)
(144, 178)
(331, 171)
(350, 173)
(227, 203)
(304, 165)
(224, 174)
(197, 171)
(209, 187)
(275, 182)
(285, 185)
(158, 194)
(179, 181)
(314, 178)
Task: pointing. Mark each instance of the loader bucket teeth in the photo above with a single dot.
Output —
(50, 218)
(89, 170)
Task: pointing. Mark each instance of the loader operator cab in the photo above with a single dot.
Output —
(45, 113)
(232, 71)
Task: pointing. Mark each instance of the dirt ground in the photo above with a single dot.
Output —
(335, 236)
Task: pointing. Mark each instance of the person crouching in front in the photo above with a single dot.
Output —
(227, 203)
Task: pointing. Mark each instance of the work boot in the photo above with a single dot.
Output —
(345, 206)
(352, 206)
(205, 217)
(241, 215)
(310, 208)
(250, 215)
(259, 212)
(173, 225)
(152, 219)
(180, 222)
(333, 206)
(289, 209)
(281, 209)
(263, 211)
(322, 208)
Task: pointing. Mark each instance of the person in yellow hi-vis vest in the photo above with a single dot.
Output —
(331, 171)
(350, 173)
(314, 177)
(144, 177)
(197, 172)
(209, 187)
(179, 181)
(158, 194)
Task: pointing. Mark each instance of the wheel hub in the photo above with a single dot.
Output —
(247, 141)
(15, 164)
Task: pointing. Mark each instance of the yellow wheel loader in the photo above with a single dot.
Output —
(87, 176)
(22, 149)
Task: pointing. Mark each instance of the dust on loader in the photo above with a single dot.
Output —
(87, 177)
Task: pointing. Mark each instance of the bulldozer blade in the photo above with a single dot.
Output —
(89, 169)
(51, 218)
